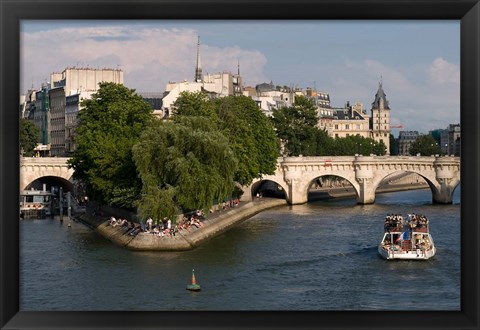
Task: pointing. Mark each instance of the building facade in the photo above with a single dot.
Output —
(350, 121)
(450, 140)
(216, 85)
(57, 121)
(75, 80)
(54, 108)
(405, 141)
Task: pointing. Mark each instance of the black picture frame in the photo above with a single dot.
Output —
(13, 11)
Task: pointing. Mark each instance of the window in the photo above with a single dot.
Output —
(336, 126)
(347, 126)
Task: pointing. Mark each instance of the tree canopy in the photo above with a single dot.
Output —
(185, 164)
(250, 134)
(110, 123)
(355, 144)
(29, 136)
(296, 127)
(425, 145)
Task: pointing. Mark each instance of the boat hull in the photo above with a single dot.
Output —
(390, 254)
(416, 245)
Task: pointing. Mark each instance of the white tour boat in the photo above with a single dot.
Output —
(407, 240)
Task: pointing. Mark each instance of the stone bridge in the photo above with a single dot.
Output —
(34, 168)
(295, 175)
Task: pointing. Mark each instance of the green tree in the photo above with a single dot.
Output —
(296, 127)
(251, 136)
(324, 143)
(393, 145)
(194, 104)
(425, 145)
(249, 132)
(29, 136)
(184, 164)
(110, 123)
(355, 144)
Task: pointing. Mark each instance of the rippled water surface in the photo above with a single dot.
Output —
(318, 256)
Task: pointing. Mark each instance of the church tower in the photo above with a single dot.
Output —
(380, 120)
(198, 67)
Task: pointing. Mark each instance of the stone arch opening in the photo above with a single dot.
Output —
(268, 188)
(404, 180)
(327, 187)
(50, 182)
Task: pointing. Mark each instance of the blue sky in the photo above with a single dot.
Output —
(418, 61)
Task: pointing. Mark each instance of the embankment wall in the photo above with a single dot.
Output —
(214, 225)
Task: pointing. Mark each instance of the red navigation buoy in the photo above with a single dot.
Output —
(194, 286)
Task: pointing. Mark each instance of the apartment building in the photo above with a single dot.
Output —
(405, 141)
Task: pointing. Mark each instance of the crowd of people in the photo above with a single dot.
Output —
(166, 227)
(163, 228)
(225, 205)
(396, 222)
(418, 222)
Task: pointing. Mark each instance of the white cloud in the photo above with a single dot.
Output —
(423, 96)
(417, 101)
(441, 72)
(149, 57)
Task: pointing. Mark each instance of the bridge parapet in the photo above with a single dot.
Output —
(33, 168)
(365, 174)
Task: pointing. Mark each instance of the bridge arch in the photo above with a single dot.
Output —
(34, 169)
(269, 188)
(49, 182)
(365, 173)
(351, 180)
(436, 187)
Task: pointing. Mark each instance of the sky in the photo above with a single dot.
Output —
(418, 62)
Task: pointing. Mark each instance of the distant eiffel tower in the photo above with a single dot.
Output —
(198, 68)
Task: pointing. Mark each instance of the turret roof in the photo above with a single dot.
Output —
(380, 95)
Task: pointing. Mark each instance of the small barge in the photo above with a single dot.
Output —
(407, 240)
(35, 204)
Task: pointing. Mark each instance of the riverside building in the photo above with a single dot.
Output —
(54, 108)
(216, 85)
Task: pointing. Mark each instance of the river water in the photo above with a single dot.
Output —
(317, 256)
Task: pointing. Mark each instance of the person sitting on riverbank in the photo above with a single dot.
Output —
(195, 222)
(112, 221)
(149, 224)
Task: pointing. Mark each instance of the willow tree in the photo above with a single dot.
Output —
(110, 123)
(250, 133)
(183, 165)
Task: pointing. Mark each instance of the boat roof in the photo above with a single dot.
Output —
(35, 192)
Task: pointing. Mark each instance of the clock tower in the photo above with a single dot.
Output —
(380, 120)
